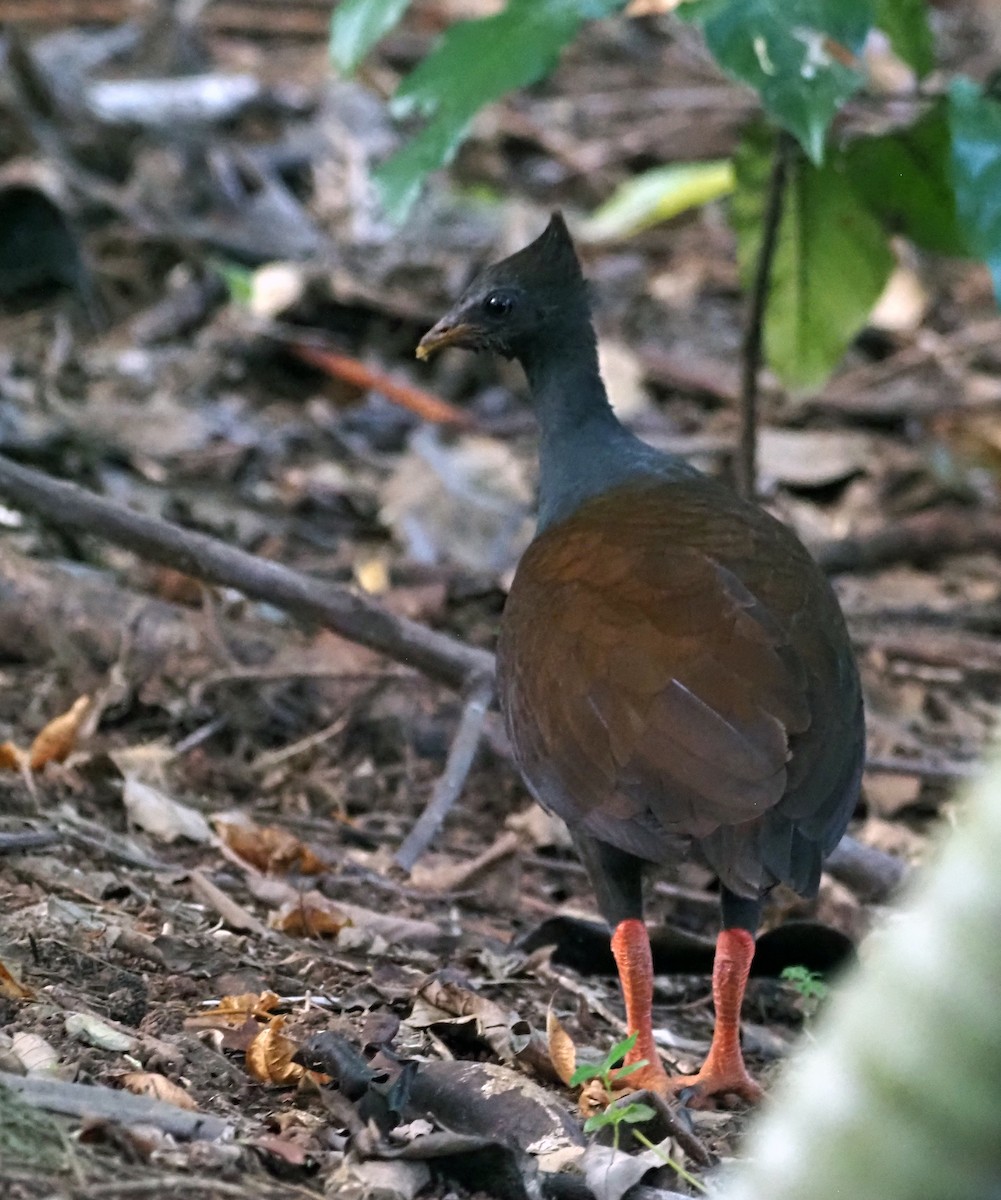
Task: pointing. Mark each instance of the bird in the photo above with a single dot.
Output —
(674, 669)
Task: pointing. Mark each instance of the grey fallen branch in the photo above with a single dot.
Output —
(919, 539)
(355, 617)
(84, 1101)
(361, 620)
(457, 767)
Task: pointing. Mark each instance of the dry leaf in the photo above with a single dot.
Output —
(466, 501)
(146, 1083)
(372, 576)
(34, 1053)
(290, 1150)
(562, 1051)
(267, 847)
(812, 458)
(311, 915)
(888, 795)
(146, 761)
(233, 1011)
(441, 999)
(269, 1055)
(10, 757)
(85, 1027)
(174, 586)
(161, 816)
(11, 988)
(58, 739)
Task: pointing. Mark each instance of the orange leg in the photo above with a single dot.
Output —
(724, 1072)
(631, 947)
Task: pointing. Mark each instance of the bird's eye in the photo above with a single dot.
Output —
(497, 304)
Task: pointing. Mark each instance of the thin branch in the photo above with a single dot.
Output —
(112, 1104)
(453, 778)
(945, 768)
(750, 353)
(353, 616)
(872, 874)
(426, 405)
(919, 539)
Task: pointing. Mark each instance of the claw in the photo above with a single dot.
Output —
(696, 1091)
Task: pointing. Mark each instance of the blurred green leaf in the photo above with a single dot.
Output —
(596, 1121)
(634, 1113)
(628, 1114)
(239, 280)
(356, 26)
(629, 1069)
(975, 123)
(657, 195)
(831, 262)
(792, 53)
(473, 64)
(586, 1072)
(905, 23)
(905, 178)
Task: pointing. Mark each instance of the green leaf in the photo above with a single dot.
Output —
(473, 64)
(792, 53)
(830, 266)
(809, 984)
(657, 195)
(975, 122)
(905, 178)
(239, 280)
(620, 1114)
(905, 23)
(585, 1072)
(622, 1072)
(618, 1052)
(356, 25)
(634, 1113)
(610, 1116)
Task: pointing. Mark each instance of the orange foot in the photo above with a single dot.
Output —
(723, 1073)
(710, 1084)
(652, 1078)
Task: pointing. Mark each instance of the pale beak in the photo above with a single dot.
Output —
(445, 333)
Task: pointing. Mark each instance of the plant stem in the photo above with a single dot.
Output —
(668, 1161)
(750, 354)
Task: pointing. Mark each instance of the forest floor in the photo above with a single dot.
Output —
(205, 885)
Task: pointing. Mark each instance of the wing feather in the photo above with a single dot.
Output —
(660, 683)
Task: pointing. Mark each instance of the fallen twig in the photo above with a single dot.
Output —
(425, 404)
(899, 764)
(460, 759)
(355, 617)
(872, 874)
(86, 1101)
(919, 539)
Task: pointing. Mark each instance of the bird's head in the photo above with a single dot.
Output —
(518, 302)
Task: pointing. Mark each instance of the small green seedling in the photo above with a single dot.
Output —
(606, 1069)
(610, 1074)
(809, 986)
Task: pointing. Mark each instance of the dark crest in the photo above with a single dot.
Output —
(549, 260)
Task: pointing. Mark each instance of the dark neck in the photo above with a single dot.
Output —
(567, 391)
(583, 445)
